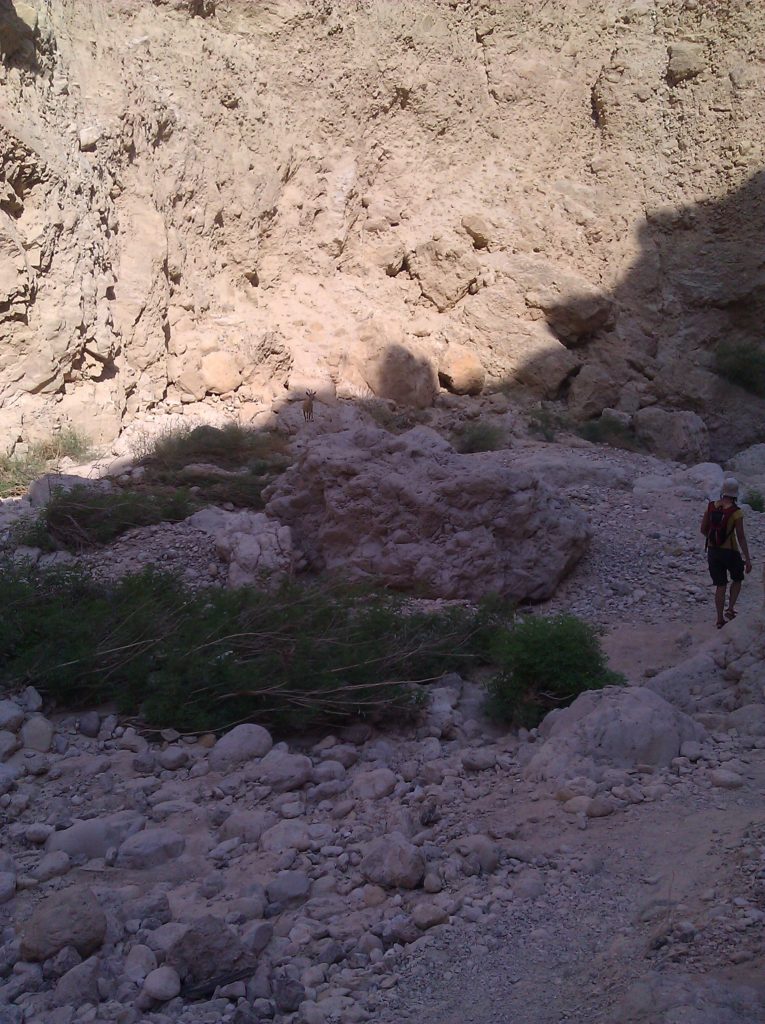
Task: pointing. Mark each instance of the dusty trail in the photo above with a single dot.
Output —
(664, 900)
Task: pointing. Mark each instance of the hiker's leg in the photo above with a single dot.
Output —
(720, 605)
(735, 590)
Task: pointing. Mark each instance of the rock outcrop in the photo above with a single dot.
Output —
(200, 202)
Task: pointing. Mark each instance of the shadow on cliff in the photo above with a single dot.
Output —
(698, 282)
(17, 39)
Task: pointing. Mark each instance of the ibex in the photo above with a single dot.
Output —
(308, 405)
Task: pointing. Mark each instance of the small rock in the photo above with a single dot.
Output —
(289, 887)
(51, 866)
(243, 743)
(37, 733)
(393, 862)
(722, 778)
(375, 784)
(478, 759)
(11, 715)
(89, 724)
(172, 758)
(150, 848)
(9, 744)
(426, 915)
(162, 984)
(7, 886)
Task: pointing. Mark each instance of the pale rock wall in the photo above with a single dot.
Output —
(208, 202)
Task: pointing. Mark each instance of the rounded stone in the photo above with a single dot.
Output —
(162, 984)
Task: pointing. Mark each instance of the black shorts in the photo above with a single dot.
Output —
(723, 561)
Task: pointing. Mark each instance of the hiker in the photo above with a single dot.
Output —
(723, 527)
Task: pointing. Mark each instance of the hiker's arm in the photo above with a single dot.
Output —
(740, 535)
(705, 523)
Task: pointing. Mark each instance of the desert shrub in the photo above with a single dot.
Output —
(17, 472)
(86, 516)
(544, 663)
(547, 424)
(479, 437)
(743, 364)
(248, 459)
(755, 500)
(292, 659)
(231, 446)
(610, 432)
(395, 421)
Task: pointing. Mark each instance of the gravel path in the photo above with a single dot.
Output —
(663, 894)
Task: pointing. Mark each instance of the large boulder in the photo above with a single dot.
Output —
(70, 918)
(616, 728)
(409, 511)
(673, 434)
(460, 371)
(591, 391)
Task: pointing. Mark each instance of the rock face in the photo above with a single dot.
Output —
(613, 727)
(410, 511)
(256, 548)
(202, 267)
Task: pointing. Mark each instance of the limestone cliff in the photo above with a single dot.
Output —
(206, 201)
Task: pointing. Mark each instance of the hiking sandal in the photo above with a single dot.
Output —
(730, 614)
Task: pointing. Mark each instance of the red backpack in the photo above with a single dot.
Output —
(718, 519)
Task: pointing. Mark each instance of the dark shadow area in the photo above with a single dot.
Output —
(17, 38)
(696, 290)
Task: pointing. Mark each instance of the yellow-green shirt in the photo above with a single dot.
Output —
(731, 544)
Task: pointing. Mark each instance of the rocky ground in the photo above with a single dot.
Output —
(609, 867)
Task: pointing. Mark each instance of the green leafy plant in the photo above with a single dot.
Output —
(479, 437)
(85, 516)
(18, 471)
(743, 364)
(544, 663)
(755, 500)
(291, 659)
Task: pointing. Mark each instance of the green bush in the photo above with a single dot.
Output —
(755, 500)
(743, 364)
(479, 437)
(248, 459)
(17, 472)
(611, 433)
(292, 659)
(86, 516)
(231, 446)
(546, 424)
(544, 663)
